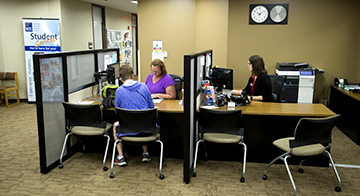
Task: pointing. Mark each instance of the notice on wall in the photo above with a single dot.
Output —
(157, 50)
(41, 36)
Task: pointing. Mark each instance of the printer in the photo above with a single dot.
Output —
(299, 82)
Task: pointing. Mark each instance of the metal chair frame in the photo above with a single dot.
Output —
(309, 131)
(137, 121)
(215, 121)
(84, 116)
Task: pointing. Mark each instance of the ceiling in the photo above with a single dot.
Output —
(123, 5)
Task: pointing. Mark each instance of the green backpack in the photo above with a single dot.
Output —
(108, 93)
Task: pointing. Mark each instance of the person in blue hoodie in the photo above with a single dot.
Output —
(131, 95)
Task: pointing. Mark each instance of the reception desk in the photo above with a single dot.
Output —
(346, 103)
(263, 122)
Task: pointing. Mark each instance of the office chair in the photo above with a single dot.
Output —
(178, 84)
(85, 121)
(138, 121)
(5, 88)
(277, 84)
(312, 137)
(220, 127)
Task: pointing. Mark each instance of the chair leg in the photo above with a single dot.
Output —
(18, 98)
(112, 159)
(196, 152)
(106, 152)
(161, 176)
(1, 94)
(6, 99)
(62, 151)
(338, 188)
(301, 170)
(289, 172)
(242, 179)
(205, 151)
(273, 161)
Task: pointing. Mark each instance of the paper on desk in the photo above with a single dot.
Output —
(157, 100)
(209, 107)
(85, 102)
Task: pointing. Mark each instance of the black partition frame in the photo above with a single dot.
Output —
(44, 166)
(191, 91)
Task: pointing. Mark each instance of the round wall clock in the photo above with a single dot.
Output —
(259, 14)
(278, 13)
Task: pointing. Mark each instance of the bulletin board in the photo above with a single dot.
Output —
(121, 39)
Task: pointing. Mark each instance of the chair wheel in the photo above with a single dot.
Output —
(161, 177)
(194, 174)
(105, 168)
(337, 189)
(301, 170)
(264, 177)
(242, 179)
(112, 176)
(61, 166)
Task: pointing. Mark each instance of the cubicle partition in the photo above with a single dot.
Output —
(58, 76)
(194, 65)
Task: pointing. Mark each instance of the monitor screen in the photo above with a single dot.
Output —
(113, 73)
(222, 78)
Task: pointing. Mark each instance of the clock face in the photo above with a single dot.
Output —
(259, 14)
(278, 14)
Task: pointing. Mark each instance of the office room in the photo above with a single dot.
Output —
(321, 33)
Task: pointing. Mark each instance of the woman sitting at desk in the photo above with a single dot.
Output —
(160, 84)
(258, 87)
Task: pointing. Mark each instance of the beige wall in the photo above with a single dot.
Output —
(211, 29)
(75, 27)
(117, 20)
(173, 22)
(185, 27)
(12, 57)
(323, 33)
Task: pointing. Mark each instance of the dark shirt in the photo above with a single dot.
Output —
(262, 87)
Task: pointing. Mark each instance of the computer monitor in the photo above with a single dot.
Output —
(222, 78)
(113, 73)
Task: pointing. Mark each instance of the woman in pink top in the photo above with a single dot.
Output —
(160, 84)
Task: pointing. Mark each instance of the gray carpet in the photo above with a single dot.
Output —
(83, 174)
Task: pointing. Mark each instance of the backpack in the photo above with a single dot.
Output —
(108, 93)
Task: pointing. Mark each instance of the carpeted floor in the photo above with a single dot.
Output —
(83, 174)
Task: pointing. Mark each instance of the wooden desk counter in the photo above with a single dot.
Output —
(254, 108)
(348, 93)
(167, 106)
(263, 122)
(284, 109)
(346, 103)
(170, 106)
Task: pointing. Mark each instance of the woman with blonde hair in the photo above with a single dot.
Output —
(160, 84)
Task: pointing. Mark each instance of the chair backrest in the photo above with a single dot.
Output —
(220, 121)
(313, 131)
(9, 76)
(83, 115)
(178, 84)
(277, 84)
(136, 121)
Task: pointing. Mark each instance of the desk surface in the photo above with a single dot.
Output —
(257, 108)
(348, 93)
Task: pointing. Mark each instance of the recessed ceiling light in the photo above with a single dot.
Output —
(134, 2)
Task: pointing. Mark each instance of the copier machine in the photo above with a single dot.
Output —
(299, 82)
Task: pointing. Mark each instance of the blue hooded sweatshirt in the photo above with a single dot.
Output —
(133, 95)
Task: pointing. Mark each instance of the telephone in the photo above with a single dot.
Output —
(340, 82)
(240, 100)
